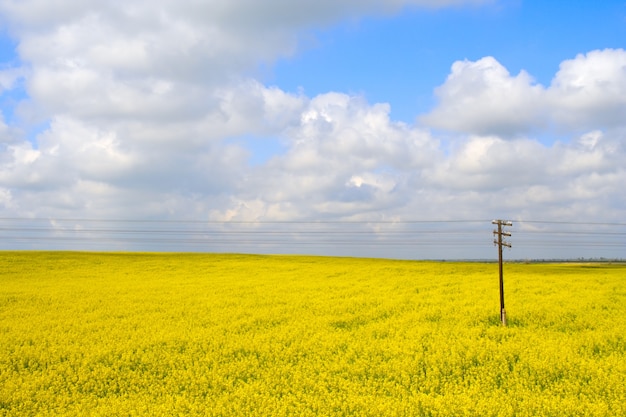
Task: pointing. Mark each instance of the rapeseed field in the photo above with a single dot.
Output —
(130, 334)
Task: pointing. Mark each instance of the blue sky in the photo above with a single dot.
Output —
(400, 59)
(344, 111)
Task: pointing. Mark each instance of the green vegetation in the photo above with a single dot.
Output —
(107, 334)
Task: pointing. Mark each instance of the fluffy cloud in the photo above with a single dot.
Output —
(9, 77)
(491, 163)
(482, 97)
(497, 115)
(344, 158)
(589, 91)
(174, 39)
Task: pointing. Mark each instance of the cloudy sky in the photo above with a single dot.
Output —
(355, 119)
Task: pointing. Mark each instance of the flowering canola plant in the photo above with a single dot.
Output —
(145, 334)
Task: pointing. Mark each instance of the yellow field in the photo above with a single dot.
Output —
(95, 334)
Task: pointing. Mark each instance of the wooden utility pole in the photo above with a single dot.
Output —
(500, 242)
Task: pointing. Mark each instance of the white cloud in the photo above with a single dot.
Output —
(344, 158)
(522, 177)
(176, 39)
(590, 90)
(482, 97)
(492, 163)
(9, 77)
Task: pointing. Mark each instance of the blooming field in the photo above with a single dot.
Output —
(104, 334)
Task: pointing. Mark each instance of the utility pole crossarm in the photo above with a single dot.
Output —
(502, 222)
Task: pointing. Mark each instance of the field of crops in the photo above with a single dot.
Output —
(105, 334)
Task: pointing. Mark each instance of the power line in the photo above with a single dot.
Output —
(310, 221)
(573, 223)
(460, 233)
